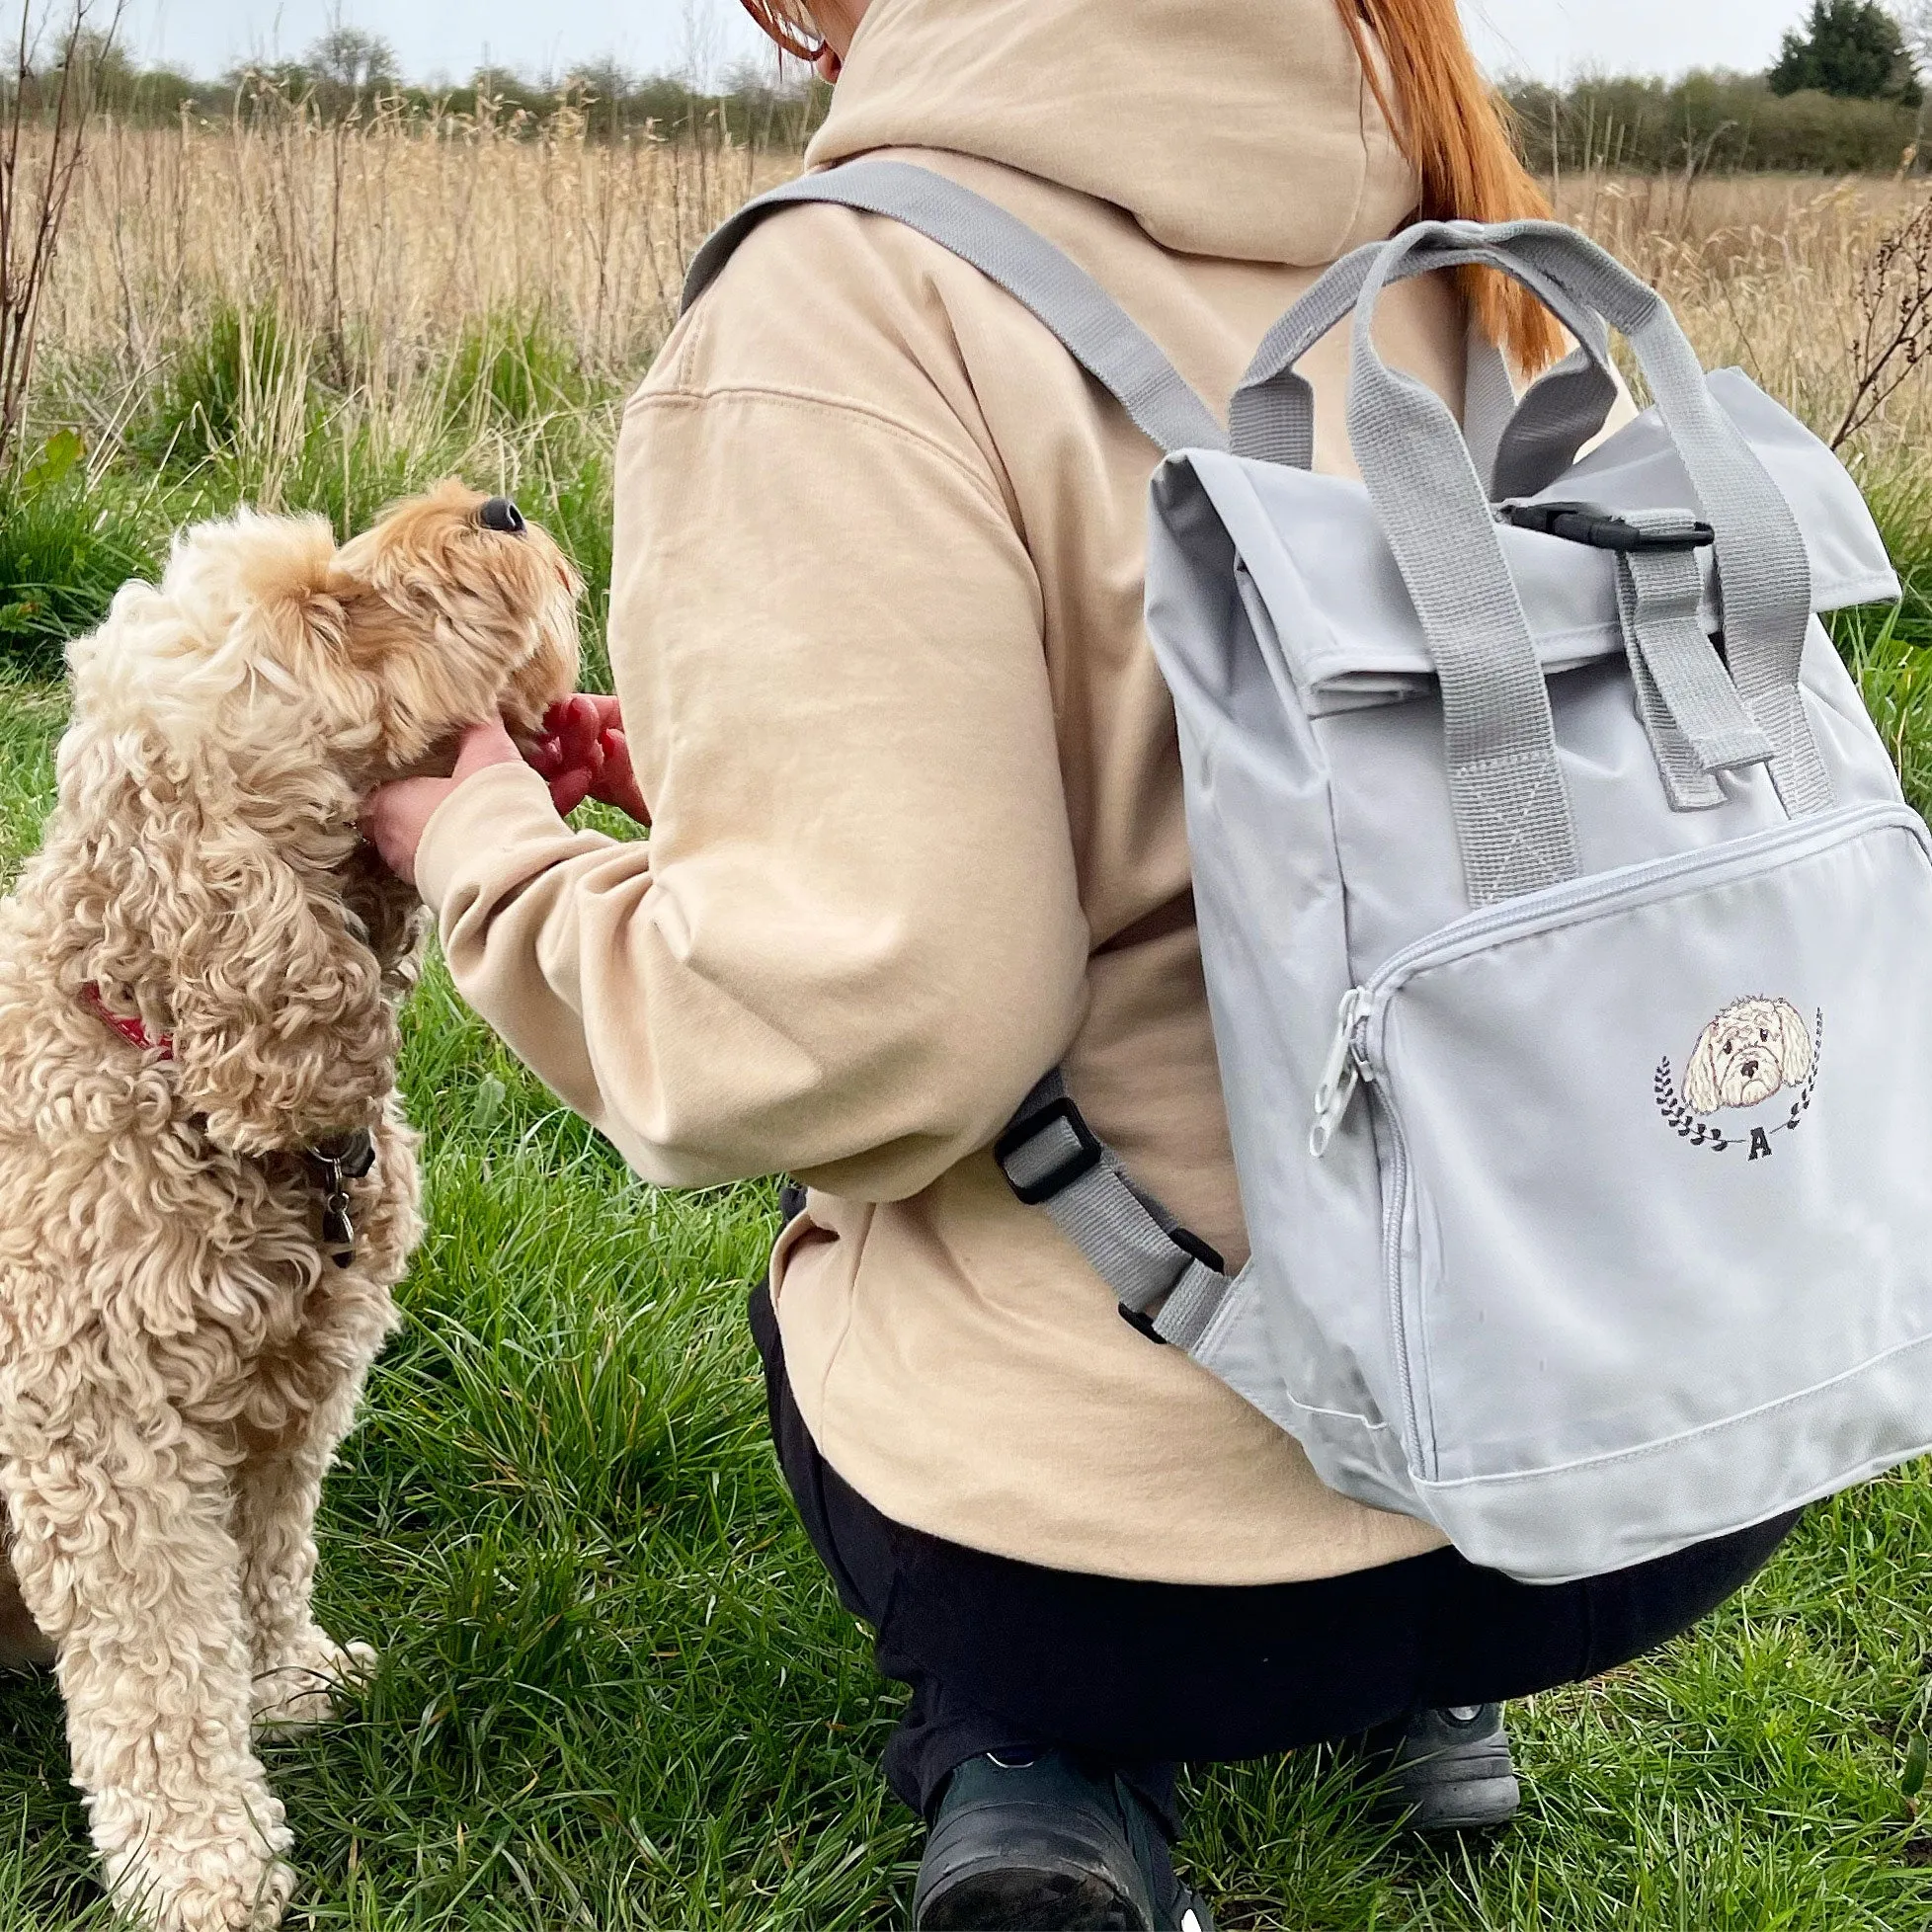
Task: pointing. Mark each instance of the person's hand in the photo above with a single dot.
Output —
(394, 815)
(583, 754)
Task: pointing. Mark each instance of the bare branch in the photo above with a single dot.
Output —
(1893, 334)
(34, 192)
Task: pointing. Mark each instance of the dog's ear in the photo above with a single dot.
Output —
(220, 918)
(284, 1030)
(1795, 1052)
(1701, 1094)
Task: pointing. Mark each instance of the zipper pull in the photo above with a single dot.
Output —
(1341, 1075)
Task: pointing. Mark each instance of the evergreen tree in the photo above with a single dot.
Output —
(1852, 48)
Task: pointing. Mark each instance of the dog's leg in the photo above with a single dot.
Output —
(295, 1661)
(122, 1547)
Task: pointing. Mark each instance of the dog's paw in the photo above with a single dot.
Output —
(297, 1690)
(222, 1889)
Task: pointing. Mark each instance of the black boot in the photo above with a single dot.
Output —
(1041, 1845)
(1446, 1770)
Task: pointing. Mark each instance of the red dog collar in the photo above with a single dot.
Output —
(127, 1025)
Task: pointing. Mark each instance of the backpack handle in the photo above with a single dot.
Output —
(1529, 445)
(1401, 429)
(1537, 439)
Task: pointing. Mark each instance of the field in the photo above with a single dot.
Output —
(616, 1691)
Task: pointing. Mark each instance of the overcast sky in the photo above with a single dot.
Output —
(449, 38)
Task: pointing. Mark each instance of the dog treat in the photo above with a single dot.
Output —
(207, 1188)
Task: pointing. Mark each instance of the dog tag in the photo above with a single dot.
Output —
(338, 1230)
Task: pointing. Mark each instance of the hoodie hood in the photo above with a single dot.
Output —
(1237, 128)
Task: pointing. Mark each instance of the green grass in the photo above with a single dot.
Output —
(253, 411)
(616, 1691)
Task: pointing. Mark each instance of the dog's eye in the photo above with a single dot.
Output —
(1763, 1033)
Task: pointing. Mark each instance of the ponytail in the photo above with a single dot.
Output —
(1456, 131)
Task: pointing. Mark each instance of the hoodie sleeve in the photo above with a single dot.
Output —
(854, 940)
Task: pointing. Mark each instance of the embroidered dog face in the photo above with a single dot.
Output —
(1748, 1052)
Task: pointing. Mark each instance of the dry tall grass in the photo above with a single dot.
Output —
(393, 232)
(384, 236)
(1764, 271)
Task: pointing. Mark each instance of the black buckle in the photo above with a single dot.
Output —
(1082, 1161)
(1192, 1245)
(1590, 524)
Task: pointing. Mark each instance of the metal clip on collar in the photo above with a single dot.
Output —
(341, 1157)
(1601, 528)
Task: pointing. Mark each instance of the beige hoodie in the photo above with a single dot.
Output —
(876, 627)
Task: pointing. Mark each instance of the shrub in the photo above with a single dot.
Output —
(247, 365)
(70, 538)
(1708, 123)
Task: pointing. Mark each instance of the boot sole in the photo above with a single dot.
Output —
(1028, 1899)
(1023, 1876)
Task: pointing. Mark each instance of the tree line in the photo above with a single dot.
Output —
(1845, 96)
(346, 72)
(1711, 122)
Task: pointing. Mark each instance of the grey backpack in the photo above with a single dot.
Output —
(1566, 930)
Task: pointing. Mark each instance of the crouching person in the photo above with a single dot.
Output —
(878, 640)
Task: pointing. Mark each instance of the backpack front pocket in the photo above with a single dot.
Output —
(1653, 1149)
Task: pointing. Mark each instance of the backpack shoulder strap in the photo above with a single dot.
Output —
(1095, 330)
(1168, 1283)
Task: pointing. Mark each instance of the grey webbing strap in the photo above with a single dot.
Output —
(1506, 791)
(1488, 406)
(1128, 1240)
(1094, 329)
(1565, 406)
(1764, 571)
(1125, 1236)
(1697, 722)
(1271, 416)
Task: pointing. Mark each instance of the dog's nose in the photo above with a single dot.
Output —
(1748, 1069)
(499, 513)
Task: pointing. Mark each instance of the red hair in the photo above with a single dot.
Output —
(1451, 123)
(1457, 133)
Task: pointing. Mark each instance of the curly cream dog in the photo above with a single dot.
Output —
(1752, 1050)
(199, 982)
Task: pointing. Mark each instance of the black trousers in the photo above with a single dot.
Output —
(1011, 1657)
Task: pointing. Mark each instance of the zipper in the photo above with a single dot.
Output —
(1395, 1215)
(1342, 1072)
(1354, 1055)
(1351, 1058)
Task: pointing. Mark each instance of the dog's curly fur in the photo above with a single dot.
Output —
(179, 1355)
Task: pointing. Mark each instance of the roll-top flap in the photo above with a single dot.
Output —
(1313, 559)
